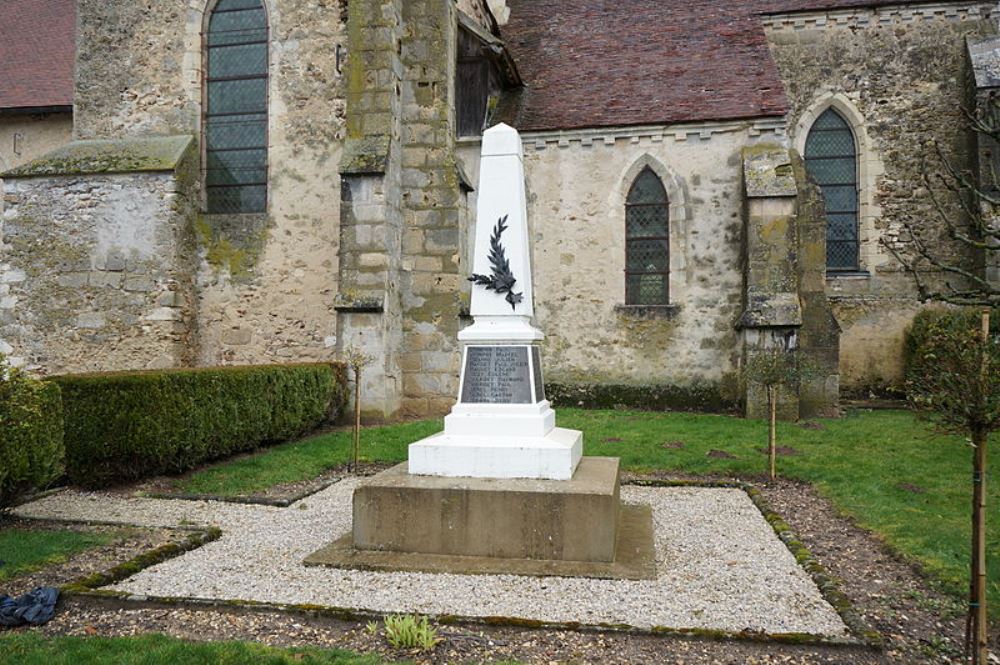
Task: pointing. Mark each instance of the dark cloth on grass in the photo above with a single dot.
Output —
(34, 608)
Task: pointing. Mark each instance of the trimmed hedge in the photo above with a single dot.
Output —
(130, 425)
(31, 434)
(706, 397)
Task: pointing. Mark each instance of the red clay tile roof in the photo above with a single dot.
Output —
(600, 63)
(37, 52)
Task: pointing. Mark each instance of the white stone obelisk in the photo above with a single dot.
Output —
(502, 426)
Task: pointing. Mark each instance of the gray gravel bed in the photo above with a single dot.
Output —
(719, 565)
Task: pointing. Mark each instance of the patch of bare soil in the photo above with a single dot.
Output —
(720, 454)
(920, 625)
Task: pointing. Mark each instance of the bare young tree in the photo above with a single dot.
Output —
(356, 360)
(966, 203)
(773, 369)
(955, 381)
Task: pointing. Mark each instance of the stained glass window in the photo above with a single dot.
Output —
(236, 108)
(832, 160)
(647, 241)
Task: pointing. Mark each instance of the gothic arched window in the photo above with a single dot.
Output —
(236, 108)
(647, 241)
(832, 160)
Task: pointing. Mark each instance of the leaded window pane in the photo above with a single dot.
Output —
(236, 108)
(835, 171)
(229, 5)
(232, 167)
(237, 131)
(233, 61)
(644, 221)
(647, 246)
(648, 255)
(647, 188)
(238, 25)
(835, 143)
(235, 200)
(841, 198)
(240, 96)
(831, 160)
(647, 289)
(830, 120)
(842, 254)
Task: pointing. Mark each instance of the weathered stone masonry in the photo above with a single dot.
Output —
(401, 203)
(267, 283)
(899, 75)
(97, 269)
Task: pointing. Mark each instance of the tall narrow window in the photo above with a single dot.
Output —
(832, 160)
(236, 108)
(647, 241)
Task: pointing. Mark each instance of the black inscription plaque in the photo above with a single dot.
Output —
(536, 359)
(496, 375)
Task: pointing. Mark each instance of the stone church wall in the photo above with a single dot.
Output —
(23, 137)
(577, 185)
(96, 269)
(267, 283)
(899, 76)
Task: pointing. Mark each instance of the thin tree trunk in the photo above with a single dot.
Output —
(978, 601)
(977, 606)
(772, 448)
(356, 443)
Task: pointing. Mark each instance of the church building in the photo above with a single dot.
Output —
(206, 182)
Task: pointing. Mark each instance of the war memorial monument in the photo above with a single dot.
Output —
(501, 489)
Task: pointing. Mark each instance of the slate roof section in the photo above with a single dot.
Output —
(607, 63)
(37, 53)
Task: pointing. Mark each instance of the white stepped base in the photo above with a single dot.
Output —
(508, 420)
(550, 457)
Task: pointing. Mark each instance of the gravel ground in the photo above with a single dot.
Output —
(719, 565)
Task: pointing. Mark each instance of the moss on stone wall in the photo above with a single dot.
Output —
(232, 242)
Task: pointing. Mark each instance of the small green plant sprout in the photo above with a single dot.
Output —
(407, 631)
(773, 369)
(357, 360)
(372, 627)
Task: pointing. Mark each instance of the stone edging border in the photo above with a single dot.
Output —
(828, 586)
(90, 585)
(862, 634)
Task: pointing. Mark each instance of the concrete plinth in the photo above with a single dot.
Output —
(635, 558)
(569, 520)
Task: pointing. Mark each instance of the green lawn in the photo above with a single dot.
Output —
(884, 468)
(34, 649)
(24, 550)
